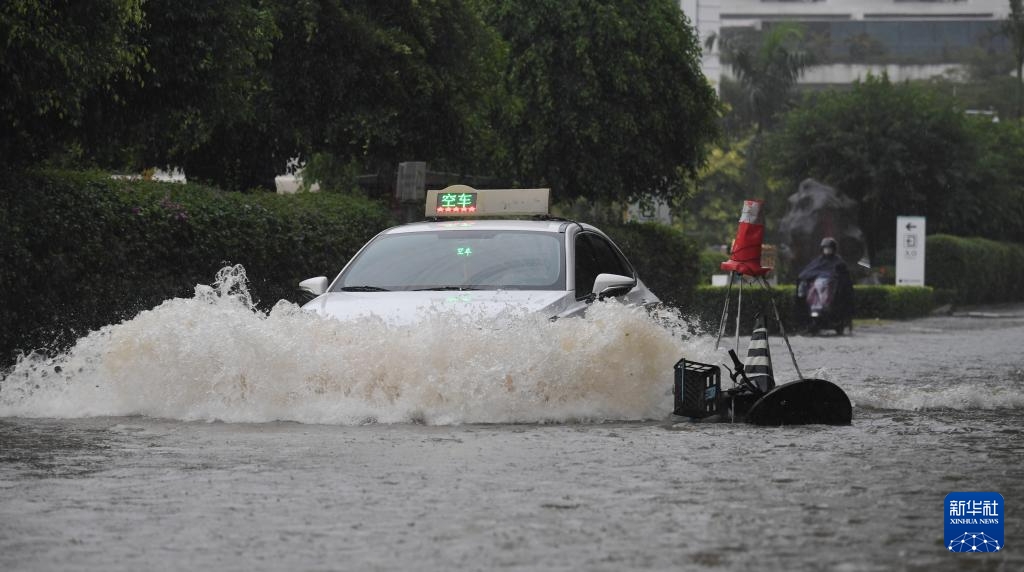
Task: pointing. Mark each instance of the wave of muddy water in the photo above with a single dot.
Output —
(203, 434)
(214, 358)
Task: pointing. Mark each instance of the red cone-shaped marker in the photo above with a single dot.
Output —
(746, 249)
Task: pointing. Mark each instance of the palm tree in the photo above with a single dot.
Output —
(768, 71)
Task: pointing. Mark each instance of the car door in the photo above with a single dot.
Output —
(596, 254)
(592, 254)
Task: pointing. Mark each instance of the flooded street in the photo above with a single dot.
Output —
(340, 286)
(938, 408)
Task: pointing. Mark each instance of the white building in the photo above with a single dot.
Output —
(704, 15)
(908, 39)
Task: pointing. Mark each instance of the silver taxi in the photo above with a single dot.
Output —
(461, 261)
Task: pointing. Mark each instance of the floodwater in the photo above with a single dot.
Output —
(206, 435)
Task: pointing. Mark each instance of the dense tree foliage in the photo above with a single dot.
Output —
(608, 97)
(596, 98)
(991, 205)
(232, 90)
(902, 149)
(376, 83)
(54, 56)
(710, 212)
(202, 101)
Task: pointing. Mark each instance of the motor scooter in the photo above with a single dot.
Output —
(826, 304)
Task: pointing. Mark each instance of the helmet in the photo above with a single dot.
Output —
(828, 241)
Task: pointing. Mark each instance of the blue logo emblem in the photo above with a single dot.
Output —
(974, 522)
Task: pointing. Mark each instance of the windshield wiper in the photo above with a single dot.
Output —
(447, 288)
(363, 289)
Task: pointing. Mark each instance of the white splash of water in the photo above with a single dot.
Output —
(213, 357)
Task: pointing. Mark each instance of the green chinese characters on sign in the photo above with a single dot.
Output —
(456, 202)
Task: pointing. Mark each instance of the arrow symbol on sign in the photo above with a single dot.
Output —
(911, 226)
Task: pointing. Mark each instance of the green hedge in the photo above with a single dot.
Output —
(893, 302)
(975, 270)
(706, 308)
(883, 302)
(82, 250)
(710, 264)
(665, 259)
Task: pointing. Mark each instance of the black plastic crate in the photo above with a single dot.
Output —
(697, 389)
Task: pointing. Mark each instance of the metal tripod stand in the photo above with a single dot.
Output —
(733, 276)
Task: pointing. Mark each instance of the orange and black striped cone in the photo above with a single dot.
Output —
(758, 366)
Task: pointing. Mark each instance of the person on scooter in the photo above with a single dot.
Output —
(825, 290)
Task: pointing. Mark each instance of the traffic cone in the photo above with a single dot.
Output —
(759, 358)
(745, 257)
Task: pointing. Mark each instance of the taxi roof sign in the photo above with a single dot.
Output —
(465, 201)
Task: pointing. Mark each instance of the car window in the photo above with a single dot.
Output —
(594, 255)
(478, 259)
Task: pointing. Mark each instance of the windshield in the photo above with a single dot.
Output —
(459, 259)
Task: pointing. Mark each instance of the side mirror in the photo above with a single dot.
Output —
(612, 285)
(315, 286)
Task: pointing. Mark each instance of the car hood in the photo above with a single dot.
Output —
(411, 307)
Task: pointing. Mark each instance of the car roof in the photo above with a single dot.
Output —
(554, 226)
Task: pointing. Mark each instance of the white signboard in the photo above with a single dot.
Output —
(910, 251)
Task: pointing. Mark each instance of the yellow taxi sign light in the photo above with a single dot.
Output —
(465, 201)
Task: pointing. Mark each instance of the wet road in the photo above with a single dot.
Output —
(937, 409)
